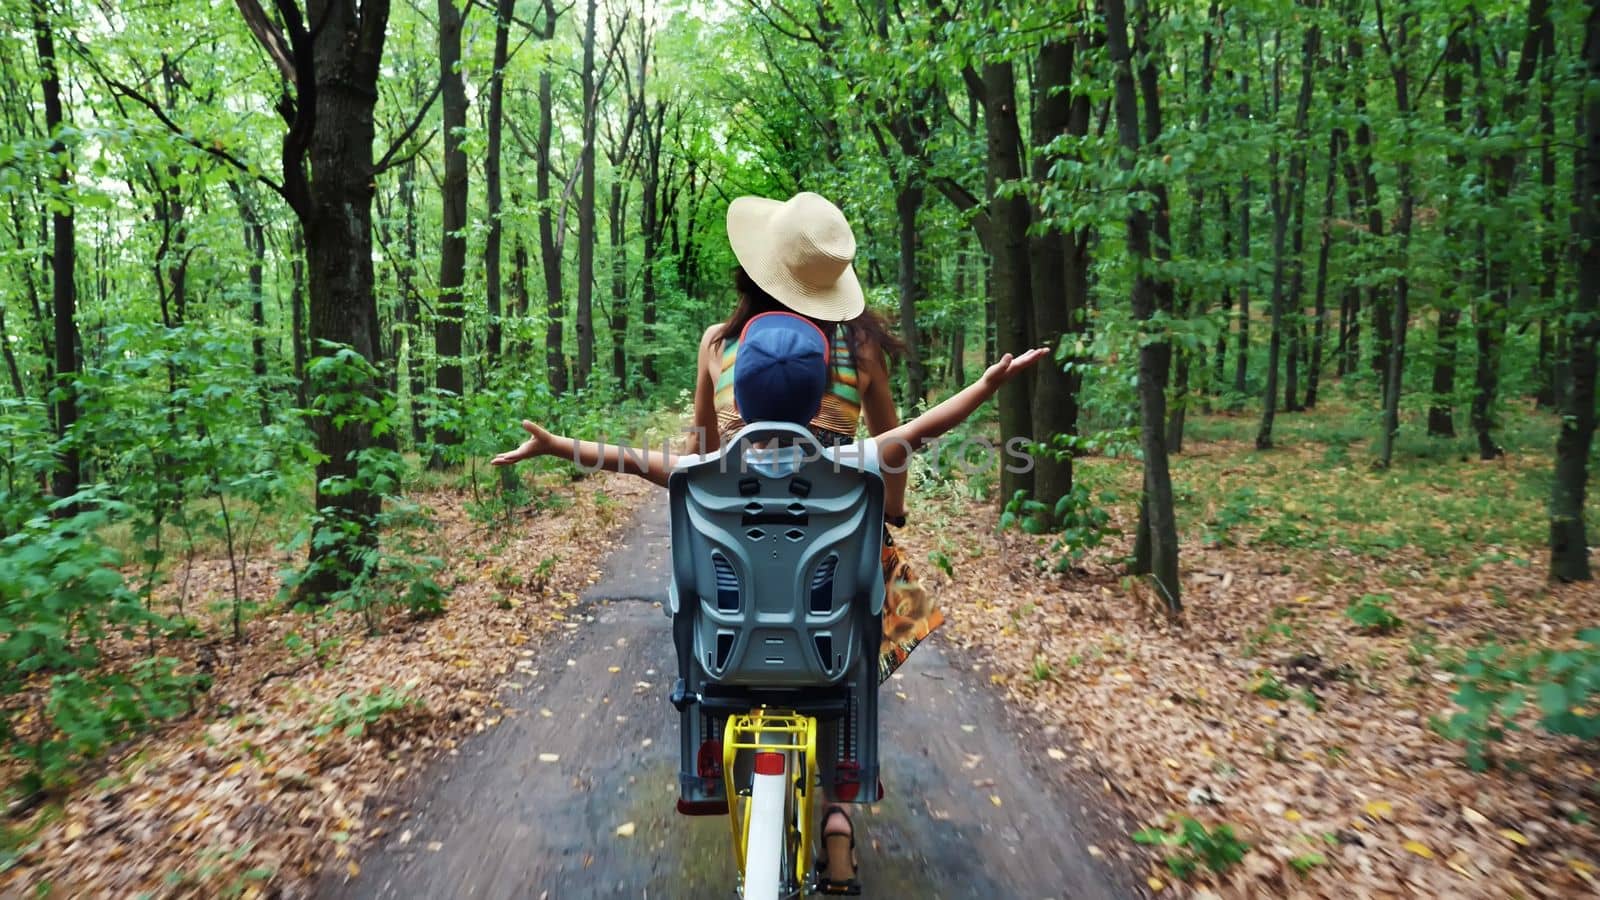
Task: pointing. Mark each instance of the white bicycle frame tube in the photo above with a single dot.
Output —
(769, 795)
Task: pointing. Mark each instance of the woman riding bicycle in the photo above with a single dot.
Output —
(797, 256)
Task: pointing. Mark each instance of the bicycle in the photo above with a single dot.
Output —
(771, 822)
(775, 600)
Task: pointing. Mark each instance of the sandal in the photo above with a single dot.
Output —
(832, 875)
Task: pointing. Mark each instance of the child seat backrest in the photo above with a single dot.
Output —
(775, 555)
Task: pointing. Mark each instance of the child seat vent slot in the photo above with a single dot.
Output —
(727, 583)
(822, 585)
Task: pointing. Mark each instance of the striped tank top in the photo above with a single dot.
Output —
(838, 418)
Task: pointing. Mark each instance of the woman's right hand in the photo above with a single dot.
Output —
(539, 443)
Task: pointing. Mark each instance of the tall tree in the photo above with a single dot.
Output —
(550, 243)
(1241, 356)
(333, 71)
(1188, 301)
(504, 11)
(1055, 265)
(1377, 302)
(453, 241)
(1009, 277)
(655, 123)
(1441, 417)
(586, 205)
(1397, 47)
(1569, 544)
(68, 473)
(1492, 315)
(1151, 295)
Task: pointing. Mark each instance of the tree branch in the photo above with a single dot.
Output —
(385, 162)
(214, 148)
(268, 36)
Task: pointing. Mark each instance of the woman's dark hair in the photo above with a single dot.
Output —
(866, 329)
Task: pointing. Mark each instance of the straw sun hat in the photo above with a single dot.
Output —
(799, 251)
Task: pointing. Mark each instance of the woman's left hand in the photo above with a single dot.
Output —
(539, 443)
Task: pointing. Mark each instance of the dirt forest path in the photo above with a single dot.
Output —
(532, 808)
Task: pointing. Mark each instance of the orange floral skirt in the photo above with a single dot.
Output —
(909, 611)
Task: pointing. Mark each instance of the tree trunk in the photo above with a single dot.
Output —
(549, 250)
(1299, 176)
(618, 318)
(907, 203)
(586, 208)
(1280, 231)
(1441, 420)
(338, 88)
(1493, 316)
(1196, 241)
(453, 241)
(1381, 309)
(1324, 250)
(650, 230)
(1394, 375)
(1352, 291)
(255, 240)
(65, 477)
(1441, 416)
(504, 10)
(1052, 271)
(1569, 545)
(1010, 282)
(1241, 357)
(1549, 258)
(1225, 213)
(1158, 527)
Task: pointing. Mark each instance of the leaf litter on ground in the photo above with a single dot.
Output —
(244, 798)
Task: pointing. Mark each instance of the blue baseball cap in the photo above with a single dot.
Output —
(781, 370)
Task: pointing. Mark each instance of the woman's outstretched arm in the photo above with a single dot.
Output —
(896, 444)
(653, 465)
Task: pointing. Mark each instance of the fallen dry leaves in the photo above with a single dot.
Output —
(243, 798)
(1347, 768)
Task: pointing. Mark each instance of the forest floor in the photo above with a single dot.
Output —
(1267, 708)
(312, 720)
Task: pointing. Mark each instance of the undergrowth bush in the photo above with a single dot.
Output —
(1194, 845)
(61, 594)
(1496, 684)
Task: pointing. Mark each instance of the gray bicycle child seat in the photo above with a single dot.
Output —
(776, 593)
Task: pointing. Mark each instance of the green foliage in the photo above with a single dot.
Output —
(1042, 670)
(1278, 626)
(1194, 845)
(1237, 509)
(1267, 685)
(1370, 613)
(379, 558)
(1305, 862)
(60, 596)
(355, 714)
(1496, 684)
(1079, 518)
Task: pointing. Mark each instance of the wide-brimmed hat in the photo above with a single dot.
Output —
(781, 371)
(799, 251)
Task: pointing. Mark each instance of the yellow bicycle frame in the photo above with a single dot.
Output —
(777, 731)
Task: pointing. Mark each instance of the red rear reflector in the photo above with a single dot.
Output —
(769, 763)
(708, 762)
